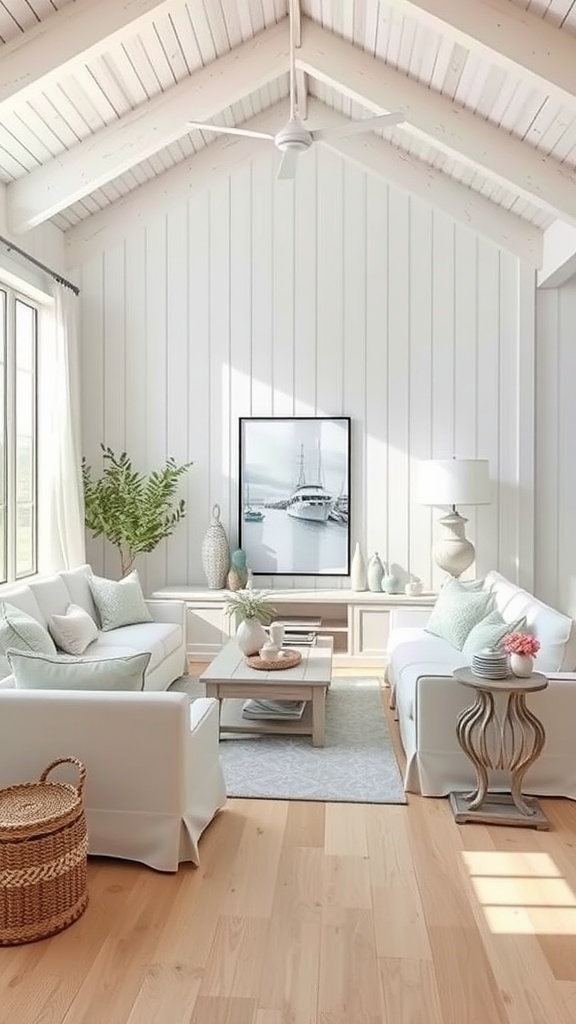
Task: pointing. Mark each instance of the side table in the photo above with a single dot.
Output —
(498, 731)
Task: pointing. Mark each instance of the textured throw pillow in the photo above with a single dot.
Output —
(61, 672)
(119, 602)
(456, 612)
(490, 632)
(20, 632)
(73, 631)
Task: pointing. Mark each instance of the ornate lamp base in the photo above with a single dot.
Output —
(453, 552)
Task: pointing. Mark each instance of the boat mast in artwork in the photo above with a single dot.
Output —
(310, 501)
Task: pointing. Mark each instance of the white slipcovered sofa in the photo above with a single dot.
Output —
(164, 638)
(428, 700)
(154, 778)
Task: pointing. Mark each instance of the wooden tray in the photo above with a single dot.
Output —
(288, 660)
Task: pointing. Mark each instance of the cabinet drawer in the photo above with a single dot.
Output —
(370, 628)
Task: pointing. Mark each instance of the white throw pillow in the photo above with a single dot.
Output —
(21, 632)
(74, 631)
(61, 672)
(119, 602)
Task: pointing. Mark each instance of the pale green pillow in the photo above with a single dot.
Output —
(490, 632)
(21, 632)
(119, 602)
(63, 672)
(456, 612)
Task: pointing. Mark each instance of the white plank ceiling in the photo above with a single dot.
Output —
(103, 85)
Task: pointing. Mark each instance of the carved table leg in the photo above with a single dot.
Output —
(471, 729)
(531, 736)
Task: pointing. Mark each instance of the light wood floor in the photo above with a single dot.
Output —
(306, 913)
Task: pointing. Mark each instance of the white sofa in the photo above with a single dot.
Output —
(154, 779)
(164, 637)
(428, 700)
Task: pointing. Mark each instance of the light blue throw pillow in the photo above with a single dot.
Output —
(119, 602)
(457, 611)
(20, 632)
(63, 672)
(490, 632)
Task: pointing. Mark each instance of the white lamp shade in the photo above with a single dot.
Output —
(453, 482)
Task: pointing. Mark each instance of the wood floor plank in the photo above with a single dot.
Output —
(347, 882)
(219, 1010)
(305, 823)
(349, 973)
(253, 876)
(236, 959)
(345, 831)
(289, 985)
(409, 986)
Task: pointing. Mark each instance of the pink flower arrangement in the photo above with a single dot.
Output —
(521, 643)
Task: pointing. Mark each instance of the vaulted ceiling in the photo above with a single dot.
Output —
(96, 96)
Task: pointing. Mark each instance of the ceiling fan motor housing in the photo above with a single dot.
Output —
(293, 136)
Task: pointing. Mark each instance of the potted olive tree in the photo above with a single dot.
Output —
(133, 511)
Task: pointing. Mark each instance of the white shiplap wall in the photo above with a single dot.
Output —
(555, 464)
(335, 296)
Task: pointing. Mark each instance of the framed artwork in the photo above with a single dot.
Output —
(294, 498)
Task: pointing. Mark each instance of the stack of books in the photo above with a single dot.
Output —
(299, 631)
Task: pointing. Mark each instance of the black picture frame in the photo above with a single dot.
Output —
(294, 494)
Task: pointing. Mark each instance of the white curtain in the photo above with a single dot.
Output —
(61, 499)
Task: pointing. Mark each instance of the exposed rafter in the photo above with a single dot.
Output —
(436, 118)
(100, 158)
(532, 49)
(76, 33)
(559, 255)
(369, 152)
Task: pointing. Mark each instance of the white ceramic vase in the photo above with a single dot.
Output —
(358, 577)
(521, 665)
(251, 636)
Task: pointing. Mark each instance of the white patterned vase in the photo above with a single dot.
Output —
(215, 553)
(521, 665)
(358, 579)
(251, 636)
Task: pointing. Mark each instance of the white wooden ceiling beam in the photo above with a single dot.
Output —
(104, 156)
(369, 152)
(191, 177)
(559, 255)
(411, 175)
(532, 49)
(438, 120)
(72, 35)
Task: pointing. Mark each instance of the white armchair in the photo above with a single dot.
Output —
(154, 779)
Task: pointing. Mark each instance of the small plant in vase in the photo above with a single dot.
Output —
(252, 610)
(522, 648)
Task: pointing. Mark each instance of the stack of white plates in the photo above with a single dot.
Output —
(490, 664)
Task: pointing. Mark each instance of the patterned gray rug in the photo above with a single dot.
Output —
(357, 764)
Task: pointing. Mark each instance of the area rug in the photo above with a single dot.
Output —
(357, 764)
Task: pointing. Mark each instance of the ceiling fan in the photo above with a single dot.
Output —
(294, 137)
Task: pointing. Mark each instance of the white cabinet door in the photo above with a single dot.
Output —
(370, 628)
(207, 628)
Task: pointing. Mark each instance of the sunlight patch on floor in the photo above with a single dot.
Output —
(522, 893)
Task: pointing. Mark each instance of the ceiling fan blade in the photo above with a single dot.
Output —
(365, 124)
(287, 168)
(229, 131)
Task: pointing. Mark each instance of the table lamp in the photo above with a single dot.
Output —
(453, 482)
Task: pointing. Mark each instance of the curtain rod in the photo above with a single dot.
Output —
(32, 259)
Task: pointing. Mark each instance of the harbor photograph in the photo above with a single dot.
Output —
(294, 495)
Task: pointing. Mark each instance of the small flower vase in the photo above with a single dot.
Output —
(251, 636)
(215, 553)
(358, 580)
(521, 665)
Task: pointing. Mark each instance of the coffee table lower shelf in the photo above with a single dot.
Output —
(231, 721)
(498, 809)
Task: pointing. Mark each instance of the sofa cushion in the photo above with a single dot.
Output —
(21, 632)
(555, 631)
(407, 682)
(456, 612)
(76, 582)
(158, 638)
(74, 631)
(51, 595)
(490, 632)
(62, 672)
(119, 602)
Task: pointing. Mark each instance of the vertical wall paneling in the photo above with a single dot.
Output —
(526, 326)
(331, 295)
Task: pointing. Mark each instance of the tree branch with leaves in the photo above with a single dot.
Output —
(133, 511)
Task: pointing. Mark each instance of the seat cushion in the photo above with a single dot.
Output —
(158, 638)
(408, 680)
(413, 646)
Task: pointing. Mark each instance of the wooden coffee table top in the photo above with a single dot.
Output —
(229, 666)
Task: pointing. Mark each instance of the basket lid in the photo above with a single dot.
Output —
(36, 806)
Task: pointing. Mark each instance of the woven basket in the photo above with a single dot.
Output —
(43, 851)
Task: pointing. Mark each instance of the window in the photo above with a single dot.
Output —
(18, 436)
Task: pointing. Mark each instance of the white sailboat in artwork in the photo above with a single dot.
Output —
(310, 501)
(251, 515)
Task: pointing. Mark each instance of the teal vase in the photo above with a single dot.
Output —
(238, 574)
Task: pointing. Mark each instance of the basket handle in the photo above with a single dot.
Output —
(67, 760)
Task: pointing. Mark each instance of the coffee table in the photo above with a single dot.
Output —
(228, 676)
